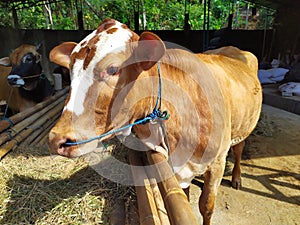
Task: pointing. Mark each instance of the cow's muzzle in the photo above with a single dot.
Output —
(15, 81)
(57, 145)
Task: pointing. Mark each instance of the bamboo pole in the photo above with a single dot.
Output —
(159, 202)
(43, 140)
(38, 131)
(10, 133)
(21, 136)
(176, 202)
(12, 144)
(146, 203)
(4, 124)
(43, 137)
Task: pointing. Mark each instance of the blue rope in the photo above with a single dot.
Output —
(158, 100)
(141, 121)
(155, 114)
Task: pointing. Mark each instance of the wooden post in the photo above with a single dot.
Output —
(160, 207)
(176, 202)
(146, 203)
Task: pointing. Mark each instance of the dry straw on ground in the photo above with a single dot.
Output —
(36, 188)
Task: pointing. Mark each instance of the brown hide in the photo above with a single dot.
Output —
(214, 100)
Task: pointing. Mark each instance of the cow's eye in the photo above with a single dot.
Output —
(112, 70)
(28, 58)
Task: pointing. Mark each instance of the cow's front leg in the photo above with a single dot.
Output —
(212, 180)
(236, 180)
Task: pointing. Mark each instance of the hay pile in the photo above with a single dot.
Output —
(36, 188)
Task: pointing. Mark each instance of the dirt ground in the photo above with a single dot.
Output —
(270, 192)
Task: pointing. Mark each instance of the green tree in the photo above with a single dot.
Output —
(152, 15)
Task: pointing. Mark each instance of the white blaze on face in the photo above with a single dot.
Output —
(82, 78)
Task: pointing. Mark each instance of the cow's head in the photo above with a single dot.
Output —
(104, 68)
(24, 60)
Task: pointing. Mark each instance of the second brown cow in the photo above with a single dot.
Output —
(22, 81)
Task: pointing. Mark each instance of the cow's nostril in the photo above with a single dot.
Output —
(62, 145)
(67, 143)
(56, 143)
(59, 144)
(62, 148)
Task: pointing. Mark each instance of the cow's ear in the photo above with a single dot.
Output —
(5, 61)
(61, 54)
(150, 49)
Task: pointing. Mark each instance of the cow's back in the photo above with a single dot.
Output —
(240, 85)
(235, 53)
(230, 85)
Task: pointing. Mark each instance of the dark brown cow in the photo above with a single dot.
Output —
(21, 76)
(214, 100)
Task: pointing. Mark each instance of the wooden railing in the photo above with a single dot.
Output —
(32, 125)
(160, 199)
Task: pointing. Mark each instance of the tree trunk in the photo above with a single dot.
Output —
(15, 16)
(144, 16)
(47, 10)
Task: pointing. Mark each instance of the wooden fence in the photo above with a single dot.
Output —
(161, 201)
(31, 126)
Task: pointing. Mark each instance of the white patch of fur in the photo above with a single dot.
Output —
(187, 171)
(83, 79)
(236, 140)
(79, 87)
(184, 185)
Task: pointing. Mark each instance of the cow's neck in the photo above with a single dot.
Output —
(31, 83)
(146, 87)
(33, 90)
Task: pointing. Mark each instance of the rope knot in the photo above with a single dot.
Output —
(154, 114)
(157, 114)
(164, 115)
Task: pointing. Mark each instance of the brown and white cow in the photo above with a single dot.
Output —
(214, 100)
(32, 86)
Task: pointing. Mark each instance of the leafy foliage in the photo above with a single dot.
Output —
(152, 15)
